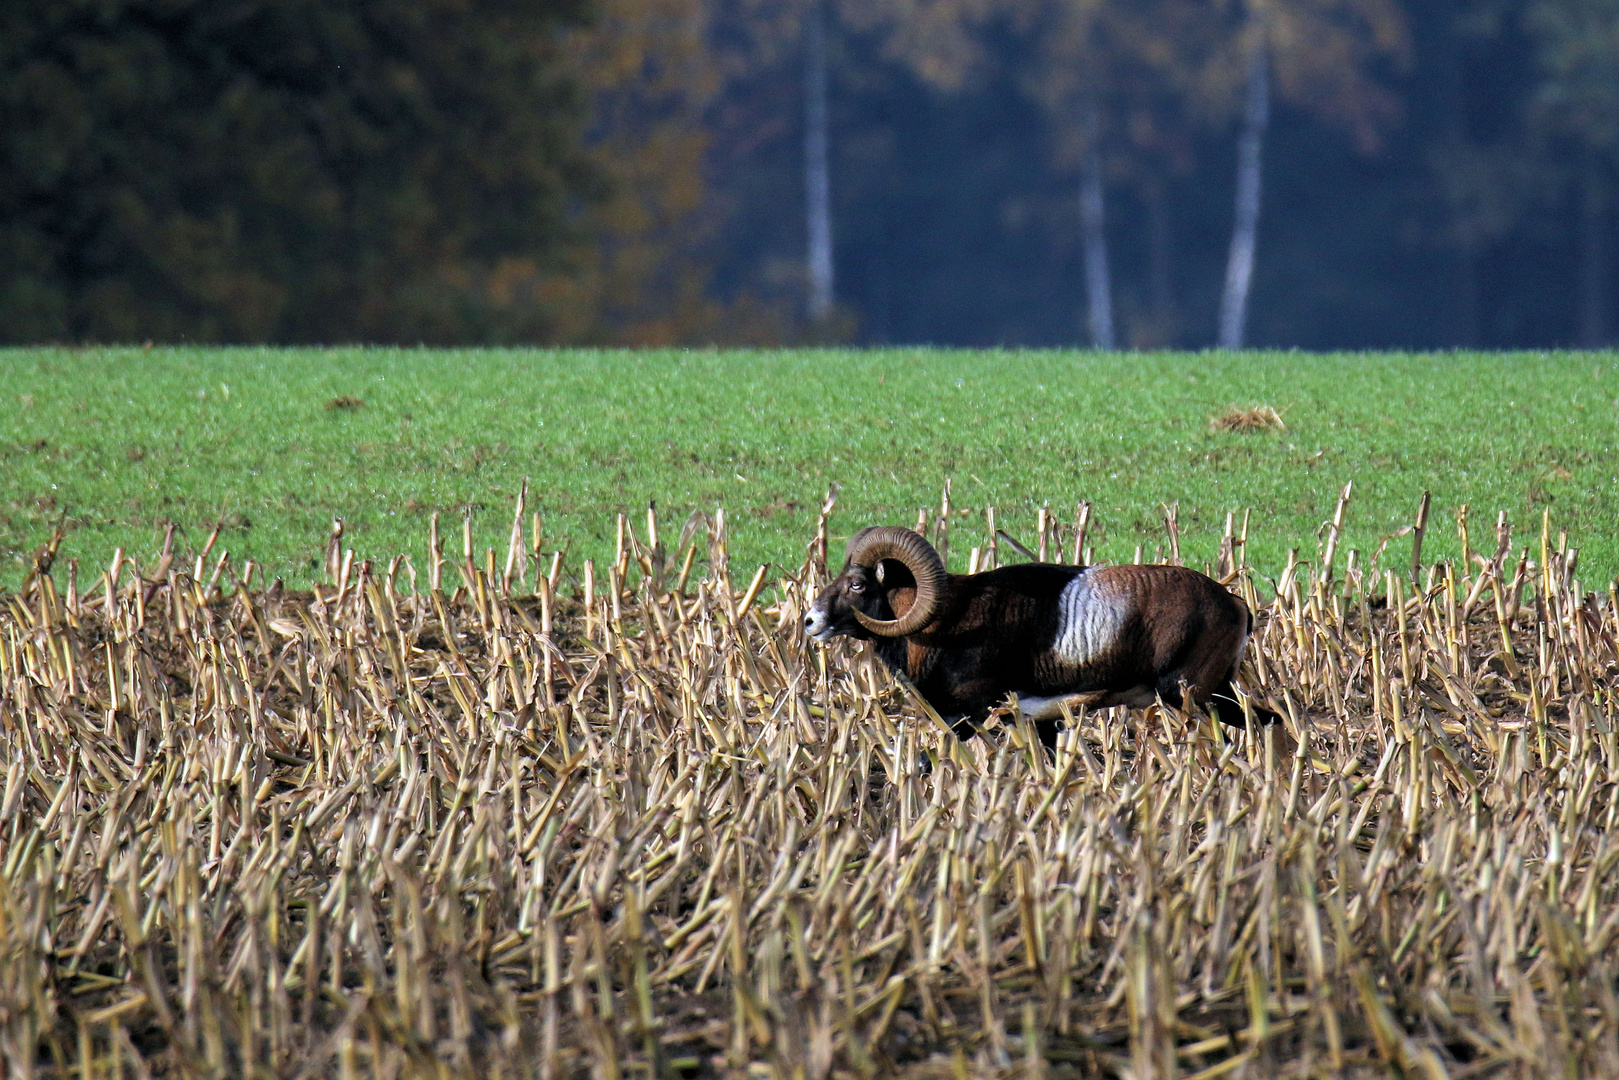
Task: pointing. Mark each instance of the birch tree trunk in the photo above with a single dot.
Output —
(1593, 329)
(1240, 265)
(1093, 236)
(817, 172)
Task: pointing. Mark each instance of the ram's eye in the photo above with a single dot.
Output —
(857, 586)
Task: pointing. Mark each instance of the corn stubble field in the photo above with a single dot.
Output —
(510, 822)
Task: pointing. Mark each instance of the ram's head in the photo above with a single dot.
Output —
(890, 586)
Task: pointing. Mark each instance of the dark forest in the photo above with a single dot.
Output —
(1420, 173)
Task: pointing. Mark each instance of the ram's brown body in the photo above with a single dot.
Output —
(1099, 636)
(991, 635)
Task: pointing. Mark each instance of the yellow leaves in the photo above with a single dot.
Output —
(508, 277)
(935, 38)
(1325, 52)
(648, 72)
(651, 72)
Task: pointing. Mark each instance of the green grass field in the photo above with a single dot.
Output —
(115, 443)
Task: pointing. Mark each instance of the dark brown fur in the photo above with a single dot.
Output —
(993, 634)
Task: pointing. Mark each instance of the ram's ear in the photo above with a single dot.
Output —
(881, 573)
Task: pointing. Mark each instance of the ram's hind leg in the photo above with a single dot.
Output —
(1209, 675)
(1218, 697)
(1223, 704)
(1228, 709)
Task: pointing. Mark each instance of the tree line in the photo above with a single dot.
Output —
(1113, 172)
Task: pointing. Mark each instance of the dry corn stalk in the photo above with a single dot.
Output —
(477, 832)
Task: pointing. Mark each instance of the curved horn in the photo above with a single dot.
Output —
(872, 545)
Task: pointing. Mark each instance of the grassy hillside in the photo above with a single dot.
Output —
(273, 443)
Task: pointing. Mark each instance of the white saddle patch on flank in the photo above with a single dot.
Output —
(1087, 624)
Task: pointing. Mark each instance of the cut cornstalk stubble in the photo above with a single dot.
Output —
(644, 827)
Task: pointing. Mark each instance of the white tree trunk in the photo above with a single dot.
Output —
(1093, 235)
(1239, 272)
(817, 171)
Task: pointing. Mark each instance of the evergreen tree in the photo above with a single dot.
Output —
(291, 170)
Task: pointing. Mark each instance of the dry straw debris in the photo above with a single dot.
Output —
(639, 827)
(1258, 418)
